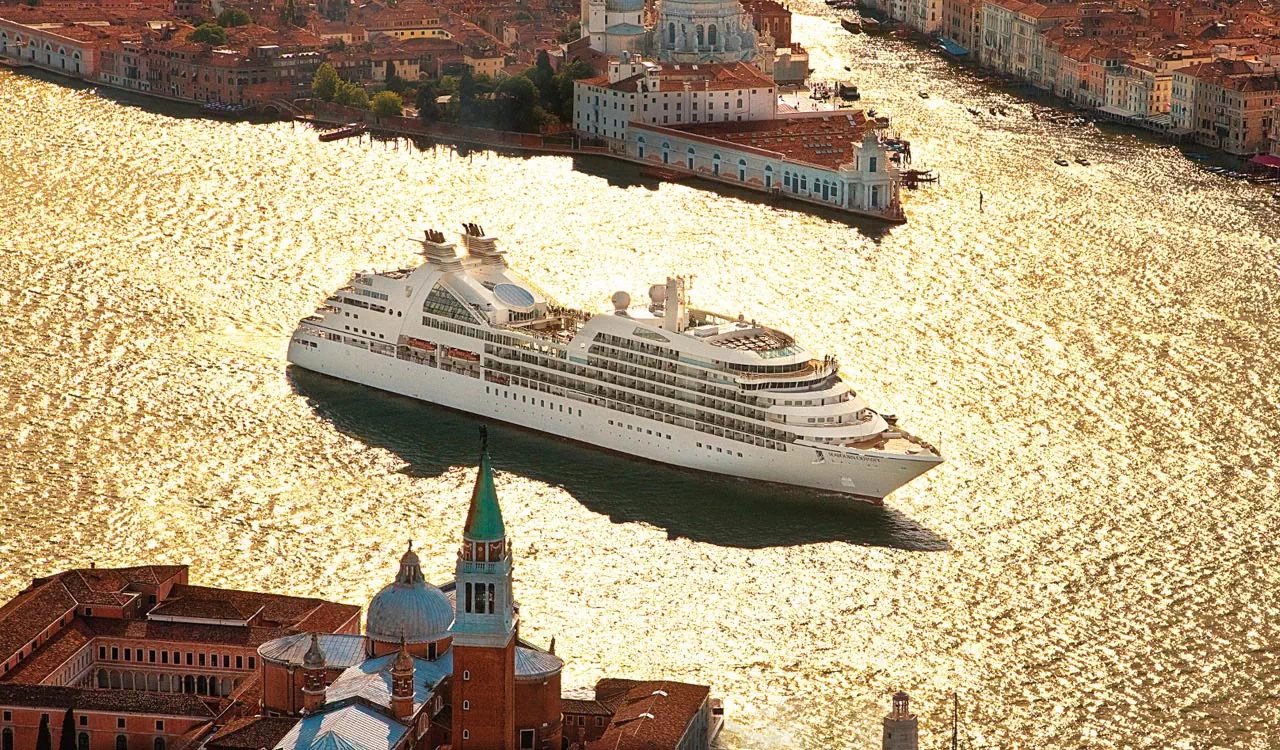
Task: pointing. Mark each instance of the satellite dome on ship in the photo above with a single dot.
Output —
(409, 608)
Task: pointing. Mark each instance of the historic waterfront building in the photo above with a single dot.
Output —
(446, 667)
(687, 31)
(140, 657)
(720, 122)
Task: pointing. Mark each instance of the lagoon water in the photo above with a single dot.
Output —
(1094, 353)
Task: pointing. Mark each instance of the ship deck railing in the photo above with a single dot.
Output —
(819, 368)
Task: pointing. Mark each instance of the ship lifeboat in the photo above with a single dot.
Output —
(425, 346)
(463, 354)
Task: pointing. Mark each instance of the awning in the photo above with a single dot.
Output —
(1265, 160)
(951, 48)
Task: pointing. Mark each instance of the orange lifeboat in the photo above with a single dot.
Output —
(463, 354)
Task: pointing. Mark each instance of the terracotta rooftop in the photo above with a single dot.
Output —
(250, 734)
(48, 599)
(53, 654)
(828, 140)
(652, 715)
(89, 699)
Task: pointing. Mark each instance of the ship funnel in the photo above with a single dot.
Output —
(621, 301)
(440, 252)
(479, 244)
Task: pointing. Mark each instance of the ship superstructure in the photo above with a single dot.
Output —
(661, 381)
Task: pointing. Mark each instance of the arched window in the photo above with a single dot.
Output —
(671, 34)
(698, 32)
(739, 102)
(768, 176)
(711, 35)
(742, 170)
(158, 744)
(640, 147)
(688, 158)
(82, 742)
(715, 164)
(6, 739)
(122, 742)
(666, 152)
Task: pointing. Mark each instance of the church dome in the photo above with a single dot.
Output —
(409, 608)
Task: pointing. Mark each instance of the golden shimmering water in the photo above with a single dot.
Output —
(1094, 566)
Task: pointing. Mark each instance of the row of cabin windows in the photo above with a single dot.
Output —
(192, 659)
(481, 602)
(82, 741)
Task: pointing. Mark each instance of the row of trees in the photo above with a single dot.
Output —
(328, 86)
(529, 102)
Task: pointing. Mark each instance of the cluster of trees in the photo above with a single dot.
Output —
(327, 86)
(215, 32)
(528, 102)
(232, 17)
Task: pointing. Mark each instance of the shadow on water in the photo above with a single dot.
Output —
(700, 507)
(624, 175)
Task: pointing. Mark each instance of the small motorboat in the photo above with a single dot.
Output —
(847, 68)
(923, 94)
(995, 111)
(851, 25)
(974, 111)
(1061, 162)
(1082, 161)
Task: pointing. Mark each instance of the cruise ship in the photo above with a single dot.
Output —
(659, 380)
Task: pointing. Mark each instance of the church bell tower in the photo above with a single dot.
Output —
(484, 627)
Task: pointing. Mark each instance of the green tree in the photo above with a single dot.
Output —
(68, 739)
(466, 89)
(573, 32)
(563, 100)
(44, 740)
(351, 95)
(209, 33)
(232, 17)
(387, 104)
(394, 82)
(426, 102)
(518, 98)
(325, 83)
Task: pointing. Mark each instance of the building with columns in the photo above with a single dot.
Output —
(142, 657)
(445, 667)
(143, 660)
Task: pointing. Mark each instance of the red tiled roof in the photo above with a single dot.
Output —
(827, 140)
(251, 733)
(54, 653)
(653, 715)
(23, 618)
(92, 699)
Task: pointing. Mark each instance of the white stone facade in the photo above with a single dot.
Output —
(642, 91)
(868, 184)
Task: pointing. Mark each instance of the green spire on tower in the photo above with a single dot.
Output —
(484, 519)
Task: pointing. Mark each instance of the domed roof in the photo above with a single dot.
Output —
(409, 608)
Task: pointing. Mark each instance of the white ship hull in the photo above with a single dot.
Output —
(865, 475)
